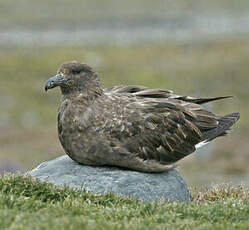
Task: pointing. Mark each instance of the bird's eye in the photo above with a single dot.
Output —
(76, 71)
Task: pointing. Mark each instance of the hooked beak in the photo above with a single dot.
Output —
(52, 82)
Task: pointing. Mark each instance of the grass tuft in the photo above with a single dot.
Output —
(220, 193)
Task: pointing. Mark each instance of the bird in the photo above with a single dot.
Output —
(130, 126)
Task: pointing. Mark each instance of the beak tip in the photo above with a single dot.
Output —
(53, 82)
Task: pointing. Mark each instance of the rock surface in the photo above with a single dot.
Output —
(168, 186)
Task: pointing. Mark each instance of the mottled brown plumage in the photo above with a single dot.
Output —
(130, 126)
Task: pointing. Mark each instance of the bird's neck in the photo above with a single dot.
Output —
(87, 92)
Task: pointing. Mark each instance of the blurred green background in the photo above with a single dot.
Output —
(194, 47)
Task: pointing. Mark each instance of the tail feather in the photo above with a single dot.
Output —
(225, 123)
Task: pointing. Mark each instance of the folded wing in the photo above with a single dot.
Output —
(162, 126)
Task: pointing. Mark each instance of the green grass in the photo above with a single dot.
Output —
(30, 204)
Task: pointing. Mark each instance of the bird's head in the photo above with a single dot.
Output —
(71, 76)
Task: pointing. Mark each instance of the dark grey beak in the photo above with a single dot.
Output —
(52, 82)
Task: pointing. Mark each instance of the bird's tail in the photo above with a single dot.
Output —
(224, 125)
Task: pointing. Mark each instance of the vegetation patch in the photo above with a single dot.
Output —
(26, 203)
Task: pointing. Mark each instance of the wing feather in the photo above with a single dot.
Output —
(155, 129)
(143, 91)
(155, 124)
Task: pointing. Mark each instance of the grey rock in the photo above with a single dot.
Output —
(167, 186)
